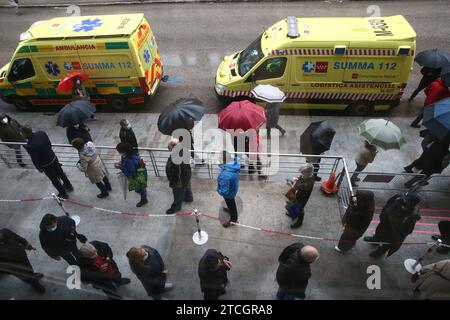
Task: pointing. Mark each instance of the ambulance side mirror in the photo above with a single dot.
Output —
(253, 79)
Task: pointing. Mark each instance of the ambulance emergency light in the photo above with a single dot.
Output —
(292, 27)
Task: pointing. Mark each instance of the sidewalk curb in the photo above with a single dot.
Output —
(136, 2)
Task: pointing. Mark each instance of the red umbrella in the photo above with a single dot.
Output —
(67, 83)
(242, 115)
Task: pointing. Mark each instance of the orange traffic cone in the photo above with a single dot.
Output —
(329, 187)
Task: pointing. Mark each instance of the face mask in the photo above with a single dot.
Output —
(5, 120)
(145, 257)
(128, 126)
(52, 229)
(77, 126)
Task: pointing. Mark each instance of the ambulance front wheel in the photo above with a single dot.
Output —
(20, 103)
(117, 102)
(360, 108)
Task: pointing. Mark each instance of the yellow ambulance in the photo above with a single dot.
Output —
(354, 64)
(119, 52)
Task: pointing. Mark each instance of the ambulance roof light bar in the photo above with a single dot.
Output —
(292, 27)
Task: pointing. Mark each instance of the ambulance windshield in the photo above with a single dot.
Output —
(250, 56)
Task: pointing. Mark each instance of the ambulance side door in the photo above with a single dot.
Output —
(53, 63)
(273, 71)
(22, 74)
(314, 76)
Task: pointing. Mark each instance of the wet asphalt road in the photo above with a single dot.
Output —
(193, 38)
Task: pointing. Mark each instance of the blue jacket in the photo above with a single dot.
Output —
(40, 150)
(227, 181)
(129, 165)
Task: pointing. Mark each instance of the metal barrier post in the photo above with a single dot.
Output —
(154, 164)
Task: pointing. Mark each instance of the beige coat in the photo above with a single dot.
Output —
(431, 283)
(91, 164)
(365, 156)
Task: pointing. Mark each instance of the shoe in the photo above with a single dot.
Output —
(189, 200)
(141, 203)
(109, 188)
(296, 224)
(283, 133)
(168, 286)
(68, 188)
(354, 184)
(435, 237)
(369, 239)
(170, 211)
(338, 250)
(124, 281)
(38, 275)
(63, 196)
(39, 287)
(408, 169)
(356, 179)
(23, 165)
(228, 224)
(226, 209)
(318, 178)
(415, 125)
(102, 195)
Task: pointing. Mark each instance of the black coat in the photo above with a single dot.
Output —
(304, 188)
(93, 275)
(150, 273)
(11, 132)
(395, 223)
(358, 217)
(81, 132)
(61, 241)
(212, 282)
(431, 160)
(293, 272)
(13, 257)
(128, 136)
(179, 175)
(40, 150)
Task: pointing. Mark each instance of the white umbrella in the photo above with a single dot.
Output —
(382, 133)
(268, 93)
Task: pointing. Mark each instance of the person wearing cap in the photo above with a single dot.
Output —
(99, 268)
(148, 266)
(397, 220)
(14, 259)
(303, 186)
(179, 175)
(126, 134)
(294, 270)
(212, 271)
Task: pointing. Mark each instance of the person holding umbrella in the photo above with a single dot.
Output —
(365, 156)
(72, 116)
(428, 76)
(316, 139)
(274, 97)
(435, 91)
(78, 131)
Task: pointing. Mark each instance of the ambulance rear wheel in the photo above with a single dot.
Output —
(360, 108)
(117, 102)
(20, 103)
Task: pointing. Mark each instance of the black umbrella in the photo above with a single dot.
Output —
(74, 113)
(317, 138)
(433, 58)
(180, 115)
(445, 75)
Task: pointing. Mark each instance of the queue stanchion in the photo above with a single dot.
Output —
(200, 237)
(75, 218)
(414, 266)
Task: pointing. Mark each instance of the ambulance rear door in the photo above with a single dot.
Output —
(315, 83)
